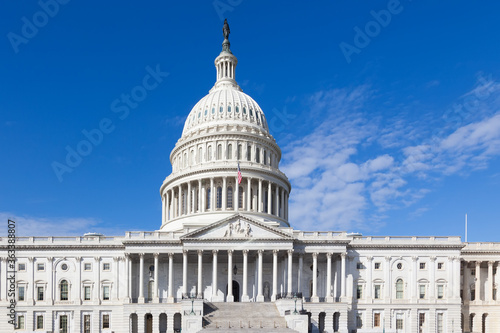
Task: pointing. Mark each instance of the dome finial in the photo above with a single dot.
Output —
(225, 33)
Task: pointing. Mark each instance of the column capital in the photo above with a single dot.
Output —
(78, 259)
(315, 255)
(329, 255)
(170, 255)
(260, 251)
(290, 251)
(275, 251)
(200, 252)
(387, 258)
(97, 258)
(214, 252)
(117, 258)
(245, 252)
(433, 258)
(230, 252)
(491, 262)
(141, 255)
(369, 258)
(478, 263)
(31, 259)
(127, 255)
(184, 251)
(156, 255)
(50, 259)
(414, 258)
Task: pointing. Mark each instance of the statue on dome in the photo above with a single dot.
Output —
(225, 30)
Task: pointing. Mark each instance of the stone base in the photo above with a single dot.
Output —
(140, 300)
(230, 298)
(260, 298)
(245, 298)
(315, 299)
(329, 299)
(170, 299)
(156, 300)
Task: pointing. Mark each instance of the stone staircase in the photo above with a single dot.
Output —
(243, 317)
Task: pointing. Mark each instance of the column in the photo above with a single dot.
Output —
(200, 200)
(116, 261)
(336, 268)
(269, 197)
(230, 297)
(249, 194)
(490, 280)
(328, 295)
(466, 283)
(170, 296)
(167, 206)
(314, 296)
(456, 278)
(214, 275)
(277, 201)
(156, 298)
(286, 206)
(189, 198)
(141, 277)
(275, 275)
(260, 203)
(478, 281)
(432, 276)
(299, 273)
(98, 279)
(31, 282)
(184, 273)
(414, 284)
(200, 276)
(212, 195)
(224, 193)
(369, 277)
(236, 200)
(244, 297)
(260, 296)
(163, 203)
(179, 202)
(156, 322)
(79, 289)
(50, 269)
(282, 205)
(387, 279)
(343, 275)
(290, 265)
(129, 277)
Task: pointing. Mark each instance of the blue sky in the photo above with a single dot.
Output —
(387, 112)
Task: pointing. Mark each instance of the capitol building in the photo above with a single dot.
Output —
(226, 259)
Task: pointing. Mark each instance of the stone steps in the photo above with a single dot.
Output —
(243, 317)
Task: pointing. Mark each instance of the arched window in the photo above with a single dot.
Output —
(185, 159)
(229, 151)
(265, 157)
(249, 153)
(199, 155)
(183, 201)
(219, 197)
(219, 152)
(230, 197)
(239, 152)
(191, 159)
(209, 153)
(64, 290)
(240, 197)
(257, 155)
(207, 204)
(399, 289)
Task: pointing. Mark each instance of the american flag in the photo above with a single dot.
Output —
(240, 178)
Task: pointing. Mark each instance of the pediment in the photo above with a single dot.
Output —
(237, 227)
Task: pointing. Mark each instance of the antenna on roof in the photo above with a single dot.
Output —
(466, 227)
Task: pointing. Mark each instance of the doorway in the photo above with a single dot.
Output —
(149, 323)
(236, 291)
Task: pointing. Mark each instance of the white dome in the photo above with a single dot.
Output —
(225, 105)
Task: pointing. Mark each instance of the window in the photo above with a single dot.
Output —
(377, 265)
(440, 292)
(86, 324)
(237, 109)
(244, 110)
(219, 151)
(208, 198)
(64, 267)
(421, 320)
(21, 267)
(377, 291)
(106, 266)
(440, 265)
(240, 199)
(229, 197)
(219, 197)
(86, 293)
(359, 291)
(471, 321)
(198, 158)
(39, 293)
(251, 112)
(213, 110)
(20, 295)
(63, 289)
(257, 155)
(494, 294)
(87, 266)
(40, 267)
(359, 265)
(39, 322)
(359, 320)
(20, 322)
(399, 322)
(399, 289)
(229, 108)
(249, 153)
(265, 158)
(239, 152)
(63, 324)
(206, 112)
(472, 294)
(376, 320)
(105, 293)
(421, 289)
(399, 266)
(105, 321)
(209, 153)
(422, 265)
(230, 152)
(440, 323)
(472, 271)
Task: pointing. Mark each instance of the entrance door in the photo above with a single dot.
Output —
(236, 291)
(149, 323)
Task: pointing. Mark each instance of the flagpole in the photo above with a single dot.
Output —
(466, 227)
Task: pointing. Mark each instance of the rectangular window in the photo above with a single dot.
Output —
(440, 291)
(359, 321)
(87, 266)
(105, 293)
(39, 322)
(421, 289)
(421, 320)
(106, 266)
(359, 265)
(86, 293)
(399, 322)
(377, 291)
(359, 291)
(422, 265)
(21, 267)
(63, 324)
(473, 295)
(440, 265)
(440, 323)
(472, 271)
(40, 267)
(494, 294)
(105, 321)
(20, 293)
(377, 265)
(20, 322)
(376, 320)
(86, 323)
(39, 293)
